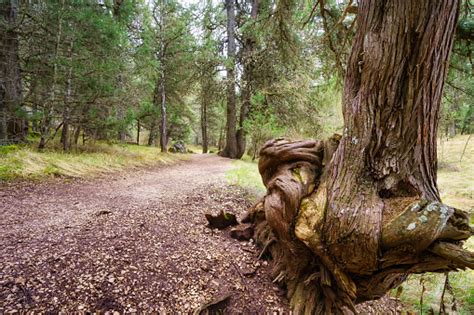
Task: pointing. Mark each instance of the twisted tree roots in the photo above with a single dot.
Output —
(417, 235)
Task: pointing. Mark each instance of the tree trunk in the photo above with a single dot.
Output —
(67, 100)
(152, 134)
(249, 47)
(159, 100)
(220, 142)
(138, 131)
(361, 211)
(12, 128)
(77, 133)
(230, 149)
(204, 122)
(122, 132)
(160, 92)
(47, 120)
(163, 127)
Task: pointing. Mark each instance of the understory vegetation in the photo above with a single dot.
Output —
(25, 162)
(456, 185)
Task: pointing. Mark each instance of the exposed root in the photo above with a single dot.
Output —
(288, 223)
(265, 248)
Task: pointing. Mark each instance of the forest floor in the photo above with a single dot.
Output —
(133, 241)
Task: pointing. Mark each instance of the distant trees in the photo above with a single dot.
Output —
(74, 66)
(228, 74)
(12, 124)
(174, 45)
(91, 69)
(458, 107)
(208, 60)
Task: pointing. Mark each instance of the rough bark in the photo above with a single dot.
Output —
(204, 105)
(347, 219)
(12, 128)
(163, 121)
(67, 101)
(392, 95)
(249, 48)
(122, 132)
(230, 149)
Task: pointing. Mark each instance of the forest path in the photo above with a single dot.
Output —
(132, 241)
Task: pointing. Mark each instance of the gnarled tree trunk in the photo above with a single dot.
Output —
(347, 219)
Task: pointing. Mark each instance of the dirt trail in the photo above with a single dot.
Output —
(133, 241)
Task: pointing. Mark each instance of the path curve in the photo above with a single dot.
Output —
(133, 241)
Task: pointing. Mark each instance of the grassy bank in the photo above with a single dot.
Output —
(245, 174)
(456, 185)
(25, 162)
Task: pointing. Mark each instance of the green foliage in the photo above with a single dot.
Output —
(7, 149)
(91, 160)
(458, 105)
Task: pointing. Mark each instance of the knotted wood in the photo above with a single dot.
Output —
(347, 219)
(289, 224)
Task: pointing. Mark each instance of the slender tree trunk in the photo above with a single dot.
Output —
(12, 128)
(138, 131)
(77, 133)
(204, 104)
(117, 10)
(67, 100)
(348, 219)
(50, 104)
(159, 100)
(163, 124)
(220, 143)
(152, 134)
(122, 132)
(230, 149)
(34, 123)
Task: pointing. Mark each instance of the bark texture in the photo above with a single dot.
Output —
(347, 219)
(230, 149)
(163, 122)
(204, 122)
(249, 44)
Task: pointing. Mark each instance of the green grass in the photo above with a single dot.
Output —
(198, 148)
(456, 176)
(456, 185)
(245, 174)
(25, 162)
